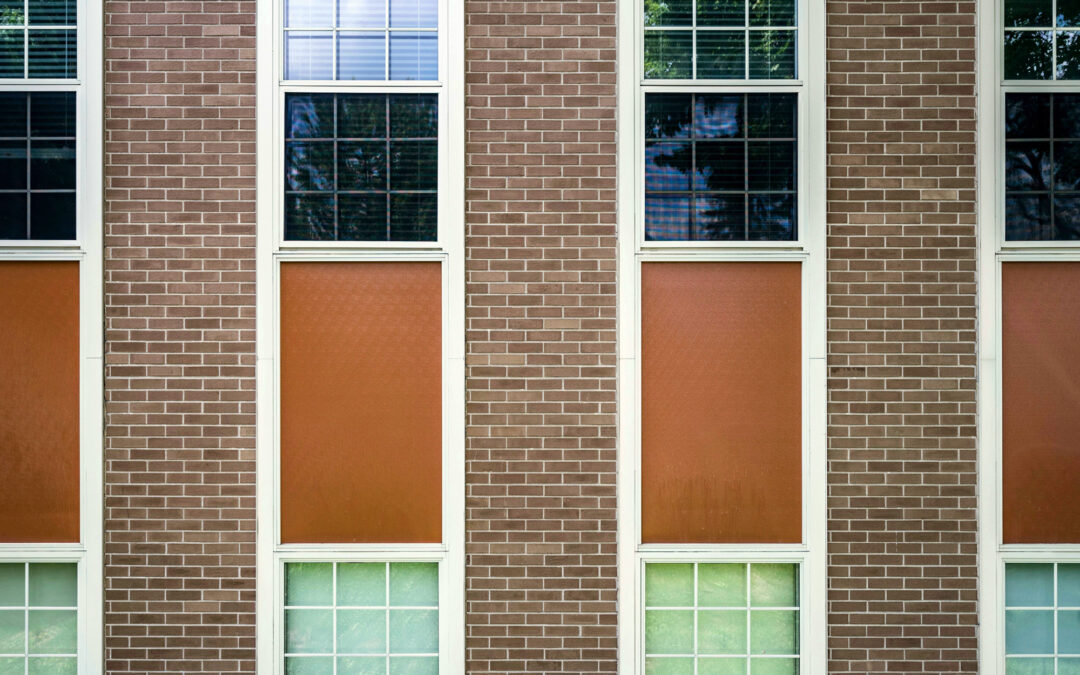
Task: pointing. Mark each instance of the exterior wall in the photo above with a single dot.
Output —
(901, 173)
(540, 332)
(180, 367)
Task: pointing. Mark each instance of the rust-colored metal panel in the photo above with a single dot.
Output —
(39, 401)
(361, 402)
(721, 404)
(1040, 373)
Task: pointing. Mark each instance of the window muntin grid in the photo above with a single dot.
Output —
(38, 39)
(1041, 40)
(39, 618)
(1042, 618)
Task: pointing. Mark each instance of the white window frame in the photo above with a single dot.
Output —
(274, 250)
(808, 250)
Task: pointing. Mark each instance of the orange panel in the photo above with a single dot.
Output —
(361, 402)
(721, 439)
(1040, 362)
(39, 401)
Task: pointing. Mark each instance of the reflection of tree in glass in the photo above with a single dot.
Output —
(773, 55)
(12, 16)
(1027, 55)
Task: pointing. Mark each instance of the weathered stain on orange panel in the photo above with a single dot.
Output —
(1040, 363)
(39, 401)
(361, 402)
(721, 444)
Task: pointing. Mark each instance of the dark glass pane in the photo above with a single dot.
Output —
(52, 53)
(52, 215)
(309, 115)
(363, 217)
(1028, 115)
(770, 115)
(667, 217)
(1068, 55)
(718, 116)
(414, 165)
(362, 116)
(12, 114)
(669, 12)
(1027, 165)
(771, 165)
(721, 165)
(721, 55)
(13, 215)
(1027, 217)
(52, 165)
(414, 217)
(309, 217)
(667, 115)
(1036, 13)
(52, 12)
(721, 12)
(772, 12)
(668, 166)
(12, 51)
(668, 54)
(772, 54)
(720, 217)
(1067, 165)
(1067, 217)
(772, 217)
(414, 116)
(52, 114)
(1028, 55)
(309, 165)
(1068, 12)
(1066, 116)
(362, 165)
(12, 165)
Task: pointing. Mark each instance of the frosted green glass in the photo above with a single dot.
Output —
(361, 631)
(361, 665)
(12, 585)
(1069, 585)
(721, 585)
(414, 631)
(54, 585)
(774, 585)
(1068, 666)
(707, 666)
(669, 631)
(53, 631)
(309, 665)
(361, 584)
(1029, 666)
(12, 665)
(53, 665)
(309, 631)
(721, 631)
(414, 665)
(308, 584)
(774, 666)
(1068, 622)
(1029, 585)
(678, 666)
(12, 627)
(669, 585)
(1029, 631)
(414, 584)
(774, 632)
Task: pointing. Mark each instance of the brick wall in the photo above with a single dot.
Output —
(179, 276)
(541, 254)
(901, 181)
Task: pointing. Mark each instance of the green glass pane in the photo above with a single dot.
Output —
(1028, 55)
(669, 12)
(361, 584)
(1029, 631)
(414, 584)
(1067, 666)
(52, 12)
(668, 54)
(774, 632)
(309, 631)
(707, 666)
(722, 631)
(361, 665)
(1029, 666)
(12, 627)
(677, 666)
(308, 584)
(669, 585)
(361, 631)
(1068, 55)
(52, 53)
(774, 585)
(54, 585)
(722, 585)
(1029, 585)
(721, 55)
(12, 52)
(1068, 622)
(12, 585)
(774, 666)
(772, 54)
(12, 665)
(53, 631)
(772, 12)
(53, 666)
(669, 632)
(1068, 585)
(1028, 13)
(721, 12)
(309, 665)
(414, 665)
(414, 631)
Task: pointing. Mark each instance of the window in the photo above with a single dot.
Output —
(38, 618)
(1042, 618)
(1042, 40)
(38, 39)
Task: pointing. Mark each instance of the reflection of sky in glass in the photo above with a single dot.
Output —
(414, 56)
(717, 116)
(308, 56)
(660, 173)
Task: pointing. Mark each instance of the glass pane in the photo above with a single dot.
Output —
(773, 217)
(667, 217)
(1068, 585)
(1027, 165)
(1066, 116)
(52, 666)
(1035, 13)
(669, 12)
(414, 166)
(13, 166)
(1068, 55)
(721, 631)
(53, 631)
(361, 56)
(774, 666)
(1068, 12)
(1068, 667)
(414, 665)
(1028, 55)
(721, 55)
(361, 165)
(414, 584)
(721, 165)
(52, 165)
(309, 584)
(52, 53)
(770, 115)
(669, 585)
(1027, 218)
(12, 51)
(361, 631)
(361, 584)
(362, 116)
(361, 13)
(1028, 115)
(414, 14)
(668, 166)
(54, 12)
(11, 13)
(729, 666)
(1067, 217)
(309, 217)
(667, 115)
(1029, 631)
(718, 115)
(772, 12)
(309, 116)
(721, 12)
(414, 217)
(1029, 666)
(362, 217)
(1029, 585)
(12, 631)
(414, 116)
(309, 13)
(414, 56)
(669, 631)
(309, 665)
(1067, 165)
(772, 54)
(774, 631)
(309, 631)
(52, 215)
(13, 114)
(774, 585)
(12, 665)
(1068, 622)
(308, 56)
(414, 631)
(669, 666)
(309, 166)
(722, 584)
(720, 218)
(13, 223)
(771, 165)
(54, 585)
(12, 584)
(52, 114)
(361, 665)
(668, 54)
